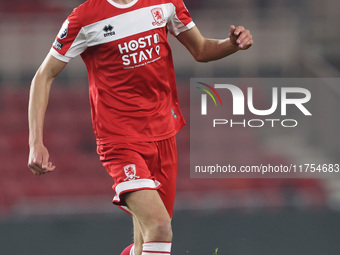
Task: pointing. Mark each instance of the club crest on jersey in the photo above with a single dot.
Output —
(63, 31)
(130, 172)
(158, 16)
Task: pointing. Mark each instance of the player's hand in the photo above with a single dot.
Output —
(38, 160)
(240, 37)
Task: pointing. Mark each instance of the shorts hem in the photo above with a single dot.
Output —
(133, 185)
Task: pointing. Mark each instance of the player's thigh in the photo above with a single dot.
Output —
(153, 218)
(147, 207)
(167, 174)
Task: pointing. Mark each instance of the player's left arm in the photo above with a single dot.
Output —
(205, 49)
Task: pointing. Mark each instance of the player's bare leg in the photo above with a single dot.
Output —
(137, 236)
(152, 217)
(136, 246)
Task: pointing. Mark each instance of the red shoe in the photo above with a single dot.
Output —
(128, 251)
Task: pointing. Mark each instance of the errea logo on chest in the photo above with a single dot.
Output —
(108, 29)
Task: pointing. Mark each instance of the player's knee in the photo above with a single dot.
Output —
(163, 231)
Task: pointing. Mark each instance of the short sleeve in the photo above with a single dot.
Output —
(70, 41)
(181, 20)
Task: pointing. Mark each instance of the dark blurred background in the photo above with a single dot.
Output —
(69, 211)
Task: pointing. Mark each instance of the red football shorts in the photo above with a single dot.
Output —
(140, 166)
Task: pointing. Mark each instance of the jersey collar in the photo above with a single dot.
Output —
(122, 6)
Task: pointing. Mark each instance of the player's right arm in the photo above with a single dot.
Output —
(38, 161)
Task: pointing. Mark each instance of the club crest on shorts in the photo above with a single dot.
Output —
(158, 16)
(130, 172)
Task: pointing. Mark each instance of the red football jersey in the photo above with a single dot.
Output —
(132, 82)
